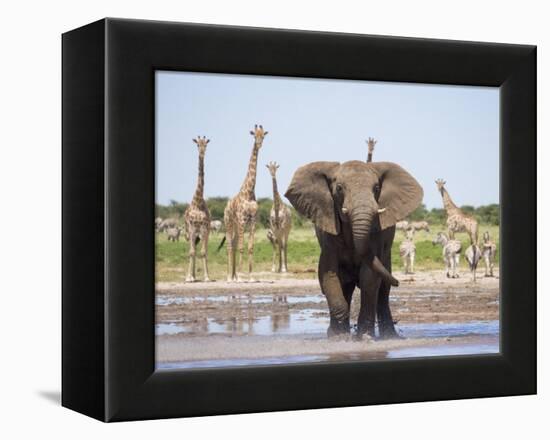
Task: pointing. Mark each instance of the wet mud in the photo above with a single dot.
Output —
(219, 324)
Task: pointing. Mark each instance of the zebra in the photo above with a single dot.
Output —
(173, 233)
(489, 251)
(473, 255)
(451, 253)
(407, 251)
(216, 226)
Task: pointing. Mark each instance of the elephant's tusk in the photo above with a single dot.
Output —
(381, 210)
(344, 210)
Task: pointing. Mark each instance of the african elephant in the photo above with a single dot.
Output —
(355, 206)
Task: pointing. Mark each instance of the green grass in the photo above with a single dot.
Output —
(303, 253)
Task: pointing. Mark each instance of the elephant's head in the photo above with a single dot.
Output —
(366, 196)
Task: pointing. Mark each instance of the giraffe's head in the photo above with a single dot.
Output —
(440, 184)
(201, 143)
(272, 167)
(370, 144)
(259, 133)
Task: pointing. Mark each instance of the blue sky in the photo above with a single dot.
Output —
(433, 131)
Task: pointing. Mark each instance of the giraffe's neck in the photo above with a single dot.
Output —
(449, 205)
(277, 201)
(369, 157)
(199, 192)
(249, 184)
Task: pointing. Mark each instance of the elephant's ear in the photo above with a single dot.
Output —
(400, 193)
(309, 192)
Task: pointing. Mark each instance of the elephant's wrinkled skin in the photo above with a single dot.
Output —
(355, 206)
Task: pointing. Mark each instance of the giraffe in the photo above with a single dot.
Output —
(197, 218)
(489, 252)
(280, 222)
(457, 221)
(241, 212)
(370, 145)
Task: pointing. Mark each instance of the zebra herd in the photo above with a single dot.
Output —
(451, 250)
(173, 230)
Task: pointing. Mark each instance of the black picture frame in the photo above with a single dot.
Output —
(108, 219)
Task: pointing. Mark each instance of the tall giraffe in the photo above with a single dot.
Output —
(457, 221)
(280, 222)
(370, 145)
(241, 211)
(197, 218)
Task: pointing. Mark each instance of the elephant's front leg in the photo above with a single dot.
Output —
(369, 284)
(331, 287)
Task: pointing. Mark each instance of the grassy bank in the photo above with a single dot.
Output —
(303, 253)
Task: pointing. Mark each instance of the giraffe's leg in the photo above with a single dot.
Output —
(240, 248)
(412, 262)
(284, 269)
(204, 251)
(274, 259)
(273, 267)
(230, 251)
(280, 255)
(192, 250)
(251, 250)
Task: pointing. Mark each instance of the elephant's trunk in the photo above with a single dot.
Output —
(361, 221)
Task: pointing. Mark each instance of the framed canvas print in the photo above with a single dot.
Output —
(261, 219)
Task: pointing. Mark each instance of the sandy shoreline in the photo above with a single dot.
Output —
(174, 348)
(273, 283)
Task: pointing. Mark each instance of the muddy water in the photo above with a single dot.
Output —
(242, 325)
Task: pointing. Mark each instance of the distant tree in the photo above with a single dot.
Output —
(468, 209)
(489, 214)
(419, 213)
(264, 209)
(436, 216)
(216, 206)
(297, 220)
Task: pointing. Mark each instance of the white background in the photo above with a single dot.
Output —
(30, 190)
